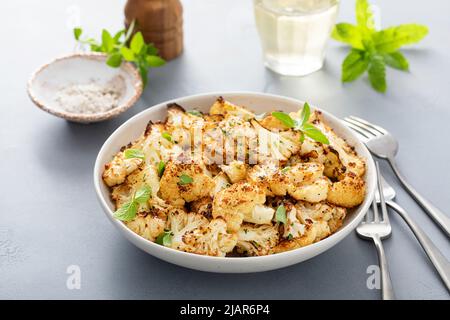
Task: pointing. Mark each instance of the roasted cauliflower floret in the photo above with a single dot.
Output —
(226, 108)
(293, 228)
(348, 192)
(236, 171)
(180, 223)
(202, 206)
(119, 168)
(237, 203)
(149, 226)
(220, 182)
(254, 240)
(185, 181)
(304, 181)
(274, 146)
(210, 239)
(144, 176)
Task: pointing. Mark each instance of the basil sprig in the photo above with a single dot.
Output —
(373, 50)
(303, 126)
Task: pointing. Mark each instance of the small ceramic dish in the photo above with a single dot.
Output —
(82, 68)
(259, 102)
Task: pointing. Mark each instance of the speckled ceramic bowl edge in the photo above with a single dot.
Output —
(87, 118)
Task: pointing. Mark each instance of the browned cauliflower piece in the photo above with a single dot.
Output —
(226, 108)
(119, 168)
(177, 192)
(237, 203)
(348, 192)
(148, 226)
(211, 239)
(256, 240)
(236, 171)
(303, 181)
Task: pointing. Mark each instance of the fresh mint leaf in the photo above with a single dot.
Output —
(120, 48)
(280, 214)
(127, 54)
(77, 33)
(372, 50)
(126, 212)
(349, 34)
(285, 169)
(285, 119)
(377, 73)
(364, 16)
(306, 113)
(195, 113)
(117, 36)
(143, 194)
(161, 168)
(137, 42)
(107, 41)
(314, 133)
(164, 239)
(134, 153)
(354, 65)
(166, 136)
(185, 179)
(114, 60)
(154, 61)
(396, 60)
(392, 39)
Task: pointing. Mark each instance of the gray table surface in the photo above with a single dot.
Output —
(49, 215)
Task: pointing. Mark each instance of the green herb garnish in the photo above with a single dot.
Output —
(167, 136)
(372, 50)
(134, 153)
(195, 113)
(185, 179)
(285, 169)
(304, 127)
(128, 211)
(280, 214)
(161, 168)
(290, 236)
(165, 238)
(119, 48)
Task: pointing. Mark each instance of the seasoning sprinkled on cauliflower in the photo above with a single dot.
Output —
(177, 191)
(254, 240)
(211, 239)
(237, 202)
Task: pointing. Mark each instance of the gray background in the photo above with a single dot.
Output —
(49, 215)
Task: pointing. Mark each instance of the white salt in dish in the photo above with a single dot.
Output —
(67, 88)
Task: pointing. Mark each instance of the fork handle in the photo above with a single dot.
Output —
(437, 215)
(439, 261)
(387, 292)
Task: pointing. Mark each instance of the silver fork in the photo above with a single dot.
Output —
(378, 229)
(436, 257)
(382, 144)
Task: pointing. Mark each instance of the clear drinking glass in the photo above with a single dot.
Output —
(294, 33)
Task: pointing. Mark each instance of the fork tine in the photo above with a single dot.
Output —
(380, 190)
(376, 216)
(365, 127)
(367, 123)
(359, 132)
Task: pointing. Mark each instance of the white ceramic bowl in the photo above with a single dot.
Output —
(258, 102)
(82, 68)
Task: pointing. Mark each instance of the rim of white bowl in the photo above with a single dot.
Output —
(128, 67)
(370, 191)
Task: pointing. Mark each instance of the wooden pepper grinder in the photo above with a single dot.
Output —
(161, 23)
